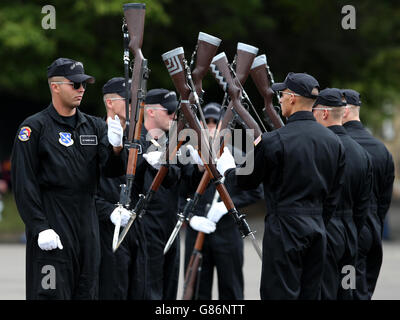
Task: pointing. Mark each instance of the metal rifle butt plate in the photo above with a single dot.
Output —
(259, 61)
(246, 47)
(209, 38)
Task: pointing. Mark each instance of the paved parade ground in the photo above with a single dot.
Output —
(12, 269)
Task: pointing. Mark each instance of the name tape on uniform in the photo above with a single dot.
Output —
(88, 140)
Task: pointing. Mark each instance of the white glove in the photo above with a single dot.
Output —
(48, 240)
(216, 212)
(115, 131)
(195, 155)
(153, 158)
(120, 214)
(202, 224)
(225, 162)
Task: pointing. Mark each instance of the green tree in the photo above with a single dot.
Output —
(300, 36)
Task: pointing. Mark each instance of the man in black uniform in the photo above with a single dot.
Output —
(345, 225)
(222, 249)
(369, 259)
(161, 213)
(301, 166)
(122, 273)
(56, 159)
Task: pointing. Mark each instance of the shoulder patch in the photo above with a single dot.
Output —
(24, 134)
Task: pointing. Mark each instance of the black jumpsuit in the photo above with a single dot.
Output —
(301, 166)
(159, 221)
(222, 249)
(55, 172)
(370, 240)
(122, 273)
(345, 225)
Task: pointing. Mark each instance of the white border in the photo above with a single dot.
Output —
(209, 38)
(258, 61)
(246, 47)
(218, 56)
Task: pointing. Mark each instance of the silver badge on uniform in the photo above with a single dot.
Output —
(66, 139)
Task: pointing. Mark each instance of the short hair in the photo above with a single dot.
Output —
(337, 113)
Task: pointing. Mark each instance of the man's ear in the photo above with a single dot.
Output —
(109, 104)
(326, 114)
(149, 112)
(55, 87)
(345, 113)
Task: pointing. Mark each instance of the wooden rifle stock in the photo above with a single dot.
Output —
(207, 45)
(134, 14)
(192, 273)
(177, 68)
(245, 57)
(206, 48)
(260, 77)
(222, 73)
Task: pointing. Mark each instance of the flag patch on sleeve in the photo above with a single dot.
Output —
(24, 133)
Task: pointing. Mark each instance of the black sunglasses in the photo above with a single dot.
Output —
(76, 85)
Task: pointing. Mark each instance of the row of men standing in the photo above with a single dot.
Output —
(154, 275)
(322, 217)
(67, 168)
(73, 153)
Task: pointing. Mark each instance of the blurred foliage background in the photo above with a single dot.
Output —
(300, 36)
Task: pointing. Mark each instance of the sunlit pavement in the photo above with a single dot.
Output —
(12, 273)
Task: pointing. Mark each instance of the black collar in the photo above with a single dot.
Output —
(355, 124)
(301, 115)
(338, 129)
(56, 116)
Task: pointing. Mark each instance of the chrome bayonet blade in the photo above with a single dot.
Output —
(125, 230)
(255, 245)
(173, 236)
(116, 233)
